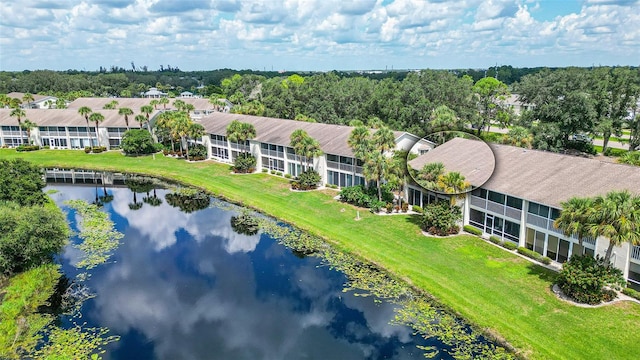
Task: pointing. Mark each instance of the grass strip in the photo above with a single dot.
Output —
(502, 294)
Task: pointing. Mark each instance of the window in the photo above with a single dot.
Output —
(496, 197)
(512, 228)
(555, 213)
(476, 218)
(514, 202)
(538, 209)
(480, 192)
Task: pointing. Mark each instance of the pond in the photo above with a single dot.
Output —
(184, 285)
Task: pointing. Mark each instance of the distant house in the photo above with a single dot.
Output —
(186, 94)
(154, 93)
(514, 103)
(39, 101)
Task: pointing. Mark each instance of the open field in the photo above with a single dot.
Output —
(499, 292)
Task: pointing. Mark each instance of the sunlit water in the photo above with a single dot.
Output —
(186, 286)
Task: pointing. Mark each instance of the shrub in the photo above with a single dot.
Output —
(584, 279)
(287, 176)
(416, 208)
(98, 149)
(265, 170)
(87, 150)
(278, 173)
(494, 239)
(630, 157)
(405, 207)
(581, 146)
(272, 172)
(441, 218)
(198, 152)
(307, 180)
(137, 142)
(529, 253)
(472, 230)
(376, 205)
(358, 195)
(509, 245)
(21, 182)
(546, 260)
(630, 292)
(21, 148)
(389, 207)
(244, 163)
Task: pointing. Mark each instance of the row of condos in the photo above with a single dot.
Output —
(522, 197)
(271, 147)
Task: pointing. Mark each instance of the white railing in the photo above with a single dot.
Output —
(512, 212)
(219, 143)
(495, 207)
(478, 201)
(635, 252)
(538, 221)
(273, 153)
(339, 166)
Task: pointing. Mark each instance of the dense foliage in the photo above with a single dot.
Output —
(246, 223)
(21, 182)
(585, 279)
(137, 142)
(29, 236)
(631, 158)
(188, 200)
(359, 195)
(197, 152)
(308, 180)
(244, 163)
(442, 219)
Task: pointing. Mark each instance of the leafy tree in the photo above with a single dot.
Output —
(97, 118)
(518, 136)
(126, 112)
(21, 182)
(30, 236)
(443, 118)
(111, 105)
(307, 180)
(244, 163)
(137, 142)
(490, 93)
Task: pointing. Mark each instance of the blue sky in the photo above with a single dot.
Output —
(317, 34)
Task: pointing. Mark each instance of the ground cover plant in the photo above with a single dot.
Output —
(462, 272)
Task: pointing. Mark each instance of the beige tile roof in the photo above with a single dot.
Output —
(68, 117)
(36, 97)
(541, 176)
(471, 158)
(332, 138)
(136, 103)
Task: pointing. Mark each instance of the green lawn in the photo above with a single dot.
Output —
(499, 292)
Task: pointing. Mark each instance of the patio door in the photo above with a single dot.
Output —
(489, 225)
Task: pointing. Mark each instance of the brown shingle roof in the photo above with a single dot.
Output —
(136, 103)
(68, 117)
(332, 138)
(471, 158)
(36, 97)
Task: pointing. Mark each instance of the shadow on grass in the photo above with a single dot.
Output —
(543, 273)
(415, 219)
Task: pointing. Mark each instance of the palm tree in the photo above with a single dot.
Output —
(61, 104)
(453, 183)
(180, 128)
(375, 167)
(125, 112)
(444, 118)
(616, 216)
(97, 118)
(574, 217)
(240, 132)
(86, 111)
(383, 139)
(296, 141)
(311, 150)
(179, 104)
(154, 103)
(163, 126)
(27, 98)
(147, 110)
(110, 105)
(359, 142)
(194, 131)
(27, 125)
(188, 108)
(49, 103)
(164, 101)
(140, 119)
(518, 136)
(19, 114)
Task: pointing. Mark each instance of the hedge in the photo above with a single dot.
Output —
(509, 245)
(534, 255)
(630, 292)
(472, 230)
(494, 239)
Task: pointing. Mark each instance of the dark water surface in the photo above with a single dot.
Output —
(186, 286)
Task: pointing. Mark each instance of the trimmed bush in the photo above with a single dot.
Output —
(389, 207)
(405, 207)
(308, 180)
(441, 218)
(137, 142)
(21, 148)
(272, 172)
(546, 260)
(87, 150)
(198, 152)
(288, 176)
(585, 279)
(630, 292)
(265, 170)
(509, 245)
(494, 239)
(244, 163)
(416, 208)
(471, 230)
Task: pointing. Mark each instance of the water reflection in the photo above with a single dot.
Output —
(186, 286)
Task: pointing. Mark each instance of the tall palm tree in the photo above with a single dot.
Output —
(97, 118)
(18, 113)
(194, 131)
(360, 142)
(311, 150)
(296, 141)
(574, 217)
(179, 104)
(49, 103)
(163, 101)
(140, 119)
(125, 111)
(180, 128)
(86, 111)
(154, 103)
(163, 126)
(383, 139)
(240, 132)
(188, 108)
(147, 110)
(27, 125)
(375, 167)
(616, 216)
(27, 98)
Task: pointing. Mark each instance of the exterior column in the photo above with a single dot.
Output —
(522, 240)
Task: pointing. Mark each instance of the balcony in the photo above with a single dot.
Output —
(340, 166)
(272, 153)
(219, 143)
(635, 253)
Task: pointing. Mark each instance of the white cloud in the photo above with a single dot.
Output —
(327, 34)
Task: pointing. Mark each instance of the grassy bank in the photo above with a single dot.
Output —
(501, 293)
